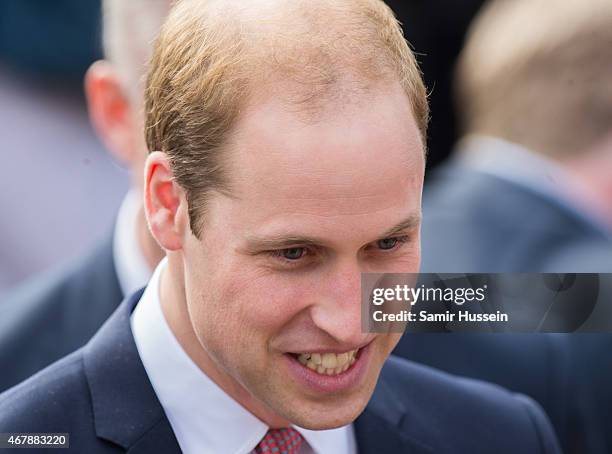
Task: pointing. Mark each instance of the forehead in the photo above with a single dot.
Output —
(357, 159)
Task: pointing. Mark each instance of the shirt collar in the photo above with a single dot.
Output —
(203, 417)
(132, 269)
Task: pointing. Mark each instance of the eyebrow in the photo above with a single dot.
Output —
(256, 244)
(410, 223)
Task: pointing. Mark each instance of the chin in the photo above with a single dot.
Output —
(326, 416)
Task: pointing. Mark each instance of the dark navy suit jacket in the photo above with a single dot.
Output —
(102, 397)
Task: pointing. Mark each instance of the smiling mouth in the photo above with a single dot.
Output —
(328, 363)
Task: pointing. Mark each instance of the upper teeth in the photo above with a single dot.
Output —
(328, 363)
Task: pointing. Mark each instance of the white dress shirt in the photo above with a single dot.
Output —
(133, 271)
(203, 417)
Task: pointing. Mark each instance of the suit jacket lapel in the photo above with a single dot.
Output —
(125, 407)
(159, 438)
(387, 425)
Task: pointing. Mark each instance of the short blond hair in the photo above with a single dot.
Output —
(211, 53)
(539, 73)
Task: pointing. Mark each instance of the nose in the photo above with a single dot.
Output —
(336, 309)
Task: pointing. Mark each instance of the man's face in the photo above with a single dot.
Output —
(273, 284)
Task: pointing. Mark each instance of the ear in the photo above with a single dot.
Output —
(165, 203)
(111, 112)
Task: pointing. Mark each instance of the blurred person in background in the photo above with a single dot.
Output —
(54, 314)
(531, 176)
(529, 190)
(53, 165)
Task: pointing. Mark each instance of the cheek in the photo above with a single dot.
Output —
(245, 307)
(266, 298)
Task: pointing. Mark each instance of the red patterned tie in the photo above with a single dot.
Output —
(280, 441)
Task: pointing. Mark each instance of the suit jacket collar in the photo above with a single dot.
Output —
(125, 408)
(388, 425)
(127, 412)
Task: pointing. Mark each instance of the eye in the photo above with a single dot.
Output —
(296, 257)
(388, 244)
(292, 254)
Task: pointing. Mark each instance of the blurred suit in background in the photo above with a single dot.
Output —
(55, 313)
(529, 190)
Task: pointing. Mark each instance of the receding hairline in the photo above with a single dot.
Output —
(318, 49)
(212, 55)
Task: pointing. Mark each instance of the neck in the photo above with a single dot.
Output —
(174, 306)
